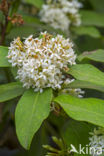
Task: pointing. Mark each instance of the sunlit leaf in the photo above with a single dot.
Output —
(31, 111)
(87, 109)
(87, 72)
(10, 91)
(3, 57)
(97, 55)
(86, 30)
(37, 3)
(85, 84)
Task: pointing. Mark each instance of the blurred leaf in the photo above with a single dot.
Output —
(76, 133)
(14, 71)
(31, 110)
(92, 18)
(87, 109)
(10, 91)
(85, 84)
(31, 29)
(31, 19)
(37, 3)
(83, 30)
(97, 55)
(88, 43)
(98, 5)
(3, 57)
(3, 78)
(1, 16)
(21, 31)
(87, 72)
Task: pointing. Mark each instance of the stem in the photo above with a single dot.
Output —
(3, 30)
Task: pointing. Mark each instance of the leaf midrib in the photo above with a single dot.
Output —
(34, 106)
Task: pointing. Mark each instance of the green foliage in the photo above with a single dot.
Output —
(63, 150)
(97, 55)
(10, 91)
(33, 28)
(85, 84)
(3, 57)
(92, 18)
(34, 107)
(21, 31)
(37, 3)
(91, 31)
(31, 111)
(98, 5)
(88, 73)
(73, 132)
(87, 109)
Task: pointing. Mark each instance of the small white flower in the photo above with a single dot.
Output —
(61, 14)
(41, 61)
(97, 140)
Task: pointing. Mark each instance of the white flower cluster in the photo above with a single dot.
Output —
(97, 141)
(41, 61)
(61, 14)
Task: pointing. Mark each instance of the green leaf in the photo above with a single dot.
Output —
(83, 30)
(88, 43)
(37, 3)
(31, 19)
(3, 57)
(92, 18)
(85, 84)
(87, 72)
(88, 109)
(10, 91)
(76, 133)
(97, 55)
(31, 28)
(21, 31)
(14, 71)
(1, 16)
(98, 6)
(31, 110)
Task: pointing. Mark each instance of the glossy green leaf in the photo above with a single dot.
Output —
(97, 55)
(87, 109)
(31, 111)
(10, 91)
(37, 3)
(87, 72)
(85, 84)
(3, 57)
(92, 18)
(87, 30)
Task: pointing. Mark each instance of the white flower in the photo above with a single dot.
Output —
(55, 17)
(61, 14)
(76, 92)
(97, 140)
(41, 61)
